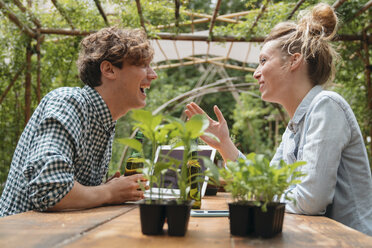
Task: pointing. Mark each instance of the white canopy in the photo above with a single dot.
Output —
(245, 52)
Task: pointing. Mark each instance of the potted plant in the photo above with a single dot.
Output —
(257, 188)
(152, 211)
(160, 130)
(178, 210)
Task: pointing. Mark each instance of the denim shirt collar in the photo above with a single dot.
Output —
(303, 108)
(102, 111)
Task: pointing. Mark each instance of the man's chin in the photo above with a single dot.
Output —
(139, 106)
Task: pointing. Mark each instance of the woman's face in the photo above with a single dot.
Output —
(272, 73)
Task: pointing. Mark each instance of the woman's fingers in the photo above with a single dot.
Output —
(219, 114)
(188, 113)
(193, 109)
(197, 109)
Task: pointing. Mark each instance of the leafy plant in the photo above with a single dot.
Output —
(187, 133)
(255, 179)
(159, 130)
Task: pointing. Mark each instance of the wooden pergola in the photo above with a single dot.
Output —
(38, 32)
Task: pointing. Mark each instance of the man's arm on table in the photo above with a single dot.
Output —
(117, 190)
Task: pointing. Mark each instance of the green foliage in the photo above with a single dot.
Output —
(255, 179)
(159, 130)
(257, 120)
(251, 122)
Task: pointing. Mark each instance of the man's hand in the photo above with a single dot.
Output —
(118, 189)
(125, 188)
(117, 174)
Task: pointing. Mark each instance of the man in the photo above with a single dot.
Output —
(64, 151)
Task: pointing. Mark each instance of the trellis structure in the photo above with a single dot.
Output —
(38, 33)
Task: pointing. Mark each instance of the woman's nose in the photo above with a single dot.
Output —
(257, 73)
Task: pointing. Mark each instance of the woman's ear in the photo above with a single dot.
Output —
(296, 61)
(107, 70)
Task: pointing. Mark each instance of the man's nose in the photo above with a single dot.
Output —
(151, 74)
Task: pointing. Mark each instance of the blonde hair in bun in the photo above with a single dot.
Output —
(310, 37)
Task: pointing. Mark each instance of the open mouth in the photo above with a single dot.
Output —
(143, 88)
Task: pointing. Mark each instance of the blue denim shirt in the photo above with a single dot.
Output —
(325, 133)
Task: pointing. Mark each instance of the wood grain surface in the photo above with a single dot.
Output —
(36, 229)
(119, 226)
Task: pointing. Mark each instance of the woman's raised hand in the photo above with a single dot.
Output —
(218, 128)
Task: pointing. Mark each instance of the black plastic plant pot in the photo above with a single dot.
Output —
(241, 218)
(211, 190)
(178, 216)
(270, 223)
(152, 217)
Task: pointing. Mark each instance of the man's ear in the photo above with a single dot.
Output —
(296, 61)
(107, 70)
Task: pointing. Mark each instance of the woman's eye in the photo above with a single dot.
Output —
(262, 61)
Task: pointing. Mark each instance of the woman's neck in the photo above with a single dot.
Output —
(296, 95)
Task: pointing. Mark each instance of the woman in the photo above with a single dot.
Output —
(294, 63)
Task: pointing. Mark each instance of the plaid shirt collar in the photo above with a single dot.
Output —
(103, 113)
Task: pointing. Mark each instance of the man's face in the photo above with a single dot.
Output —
(131, 84)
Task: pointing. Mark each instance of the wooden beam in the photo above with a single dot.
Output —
(295, 9)
(139, 10)
(177, 12)
(367, 72)
(338, 3)
(12, 82)
(242, 68)
(12, 17)
(25, 10)
(209, 17)
(61, 31)
(39, 40)
(172, 36)
(214, 18)
(263, 8)
(162, 51)
(237, 14)
(178, 64)
(62, 12)
(197, 21)
(210, 59)
(178, 54)
(364, 8)
(351, 37)
(192, 62)
(214, 61)
(102, 12)
(28, 83)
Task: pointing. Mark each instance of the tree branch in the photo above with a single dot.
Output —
(14, 79)
(63, 13)
(139, 10)
(295, 8)
(102, 12)
(12, 17)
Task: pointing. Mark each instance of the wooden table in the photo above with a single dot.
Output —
(119, 226)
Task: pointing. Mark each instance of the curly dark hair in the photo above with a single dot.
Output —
(115, 45)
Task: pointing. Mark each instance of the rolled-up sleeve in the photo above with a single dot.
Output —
(326, 134)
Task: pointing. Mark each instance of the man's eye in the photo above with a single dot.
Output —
(262, 61)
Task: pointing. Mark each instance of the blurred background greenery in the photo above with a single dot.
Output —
(256, 126)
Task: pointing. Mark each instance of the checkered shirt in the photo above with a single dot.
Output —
(69, 137)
